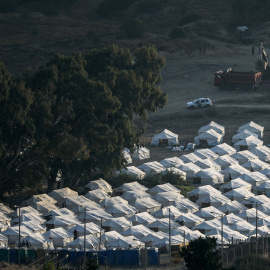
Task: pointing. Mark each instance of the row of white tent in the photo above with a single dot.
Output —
(148, 225)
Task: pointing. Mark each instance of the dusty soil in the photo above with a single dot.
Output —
(187, 78)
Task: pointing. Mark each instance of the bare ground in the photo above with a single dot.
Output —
(187, 78)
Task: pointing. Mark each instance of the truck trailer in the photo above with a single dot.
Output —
(229, 79)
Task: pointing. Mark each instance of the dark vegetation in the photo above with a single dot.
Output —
(68, 97)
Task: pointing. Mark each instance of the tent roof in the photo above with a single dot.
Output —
(212, 125)
(210, 134)
(62, 193)
(166, 134)
(163, 188)
(249, 141)
(205, 153)
(171, 162)
(99, 184)
(253, 127)
(207, 189)
(223, 149)
(132, 186)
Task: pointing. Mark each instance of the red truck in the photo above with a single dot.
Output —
(229, 79)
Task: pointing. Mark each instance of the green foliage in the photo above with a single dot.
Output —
(133, 28)
(252, 262)
(91, 264)
(111, 8)
(201, 254)
(48, 266)
(189, 19)
(150, 6)
(178, 32)
(76, 114)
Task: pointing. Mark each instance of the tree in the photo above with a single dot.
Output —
(201, 254)
(75, 115)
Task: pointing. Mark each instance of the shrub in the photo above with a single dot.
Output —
(48, 266)
(133, 28)
(189, 19)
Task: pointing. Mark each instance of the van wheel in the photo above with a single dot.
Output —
(191, 107)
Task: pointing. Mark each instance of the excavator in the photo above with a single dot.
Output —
(262, 63)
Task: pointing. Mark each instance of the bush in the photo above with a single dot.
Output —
(150, 6)
(178, 32)
(189, 19)
(48, 266)
(133, 28)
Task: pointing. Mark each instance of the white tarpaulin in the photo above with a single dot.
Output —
(223, 149)
(210, 137)
(212, 125)
(244, 156)
(253, 127)
(248, 143)
(242, 135)
(165, 137)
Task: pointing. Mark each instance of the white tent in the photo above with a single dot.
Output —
(256, 165)
(248, 143)
(87, 228)
(175, 171)
(205, 154)
(80, 200)
(3, 241)
(215, 200)
(163, 188)
(207, 177)
(253, 127)
(212, 125)
(231, 219)
(167, 198)
(60, 212)
(236, 183)
(264, 187)
(12, 233)
(132, 171)
(209, 138)
(232, 207)
(143, 218)
(45, 207)
(266, 172)
(186, 206)
(119, 224)
(225, 161)
(238, 194)
(99, 184)
(140, 153)
(262, 152)
(223, 149)
(166, 137)
(201, 192)
(113, 200)
(61, 194)
(189, 168)
(34, 226)
(4, 219)
(5, 209)
(167, 212)
(121, 210)
(64, 221)
(59, 236)
(95, 216)
(254, 178)
(125, 243)
(162, 225)
(260, 231)
(189, 158)
(96, 195)
(208, 163)
(126, 156)
(39, 198)
(250, 215)
(153, 167)
(91, 242)
(132, 196)
(263, 221)
(233, 172)
(208, 226)
(138, 231)
(256, 200)
(132, 186)
(188, 219)
(38, 241)
(109, 237)
(29, 217)
(242, 135)
(209, 213)
(23, 211)
(228, 235)
(243, 227)
(244, 156)
(171, 162)
(147, 205)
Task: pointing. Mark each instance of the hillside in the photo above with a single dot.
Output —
(29, 37)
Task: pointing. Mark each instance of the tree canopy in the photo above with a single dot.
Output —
(201, 254)
(76, 115)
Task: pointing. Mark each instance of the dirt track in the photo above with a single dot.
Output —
(187, 78)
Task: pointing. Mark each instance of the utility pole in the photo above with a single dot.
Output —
(170, 240)
(84, 235)
(256, 228)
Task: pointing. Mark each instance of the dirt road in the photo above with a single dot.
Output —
(187, 78)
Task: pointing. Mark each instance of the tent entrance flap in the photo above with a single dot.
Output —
(203, 143)
(163, 142)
